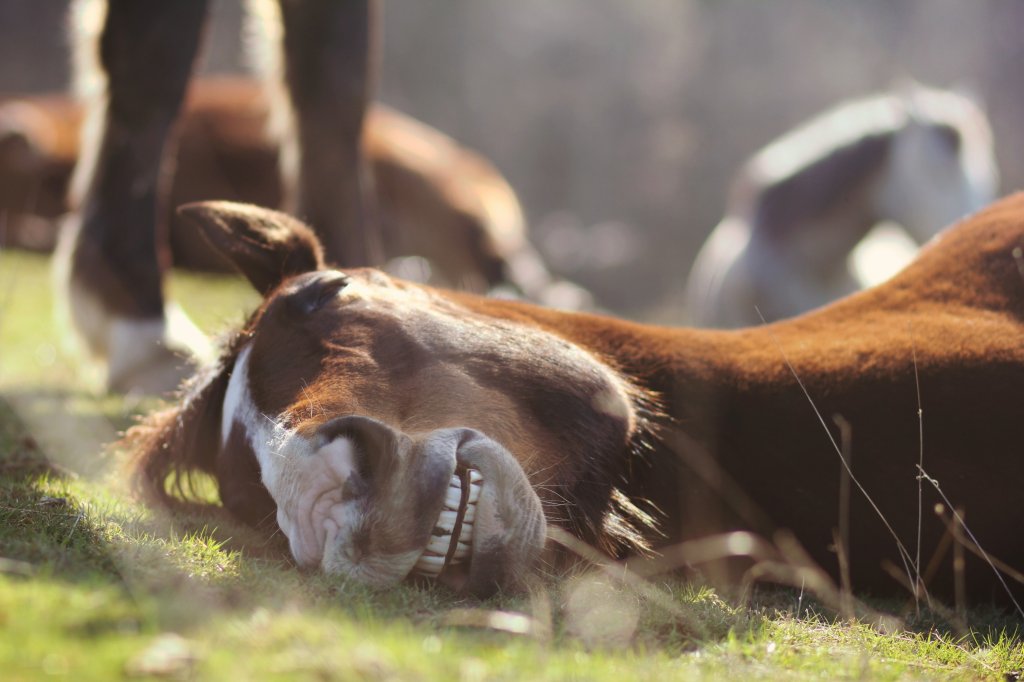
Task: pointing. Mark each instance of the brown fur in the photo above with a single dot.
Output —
(735, 414)
(959, 310)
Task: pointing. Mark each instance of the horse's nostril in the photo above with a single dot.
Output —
(377, 444)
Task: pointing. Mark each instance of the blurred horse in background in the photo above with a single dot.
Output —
(447, 215)
(799, 230)
(133, 64)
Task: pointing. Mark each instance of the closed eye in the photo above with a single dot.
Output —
(319, 292)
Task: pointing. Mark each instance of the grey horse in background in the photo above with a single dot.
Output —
(800, 228)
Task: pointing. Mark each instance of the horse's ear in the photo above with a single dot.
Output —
(266, 246)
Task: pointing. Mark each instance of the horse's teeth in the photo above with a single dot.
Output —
(446, 521)
(432, 561)
(440, 544)
(429, 565)
(452, 498)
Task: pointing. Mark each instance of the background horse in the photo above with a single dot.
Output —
(800, 207)
(134, 62)
(436, 199)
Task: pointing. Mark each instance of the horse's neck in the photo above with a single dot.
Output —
(973, 272)
(674, 364)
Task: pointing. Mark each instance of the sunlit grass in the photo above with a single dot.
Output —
(94, 585)
(35, 347)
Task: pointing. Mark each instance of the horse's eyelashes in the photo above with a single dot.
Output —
(319, 293)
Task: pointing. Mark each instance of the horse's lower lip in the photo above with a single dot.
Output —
(451, 540)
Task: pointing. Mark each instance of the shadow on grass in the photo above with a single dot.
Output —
(67, 518)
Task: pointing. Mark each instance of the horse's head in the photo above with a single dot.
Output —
(349, 402)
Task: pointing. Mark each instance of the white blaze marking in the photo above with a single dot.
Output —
(236, 395)
(304, 481)
(267, 438)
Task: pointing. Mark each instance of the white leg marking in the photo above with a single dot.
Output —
(148, 355)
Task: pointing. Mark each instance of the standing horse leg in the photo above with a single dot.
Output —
(114, 249)
(328, 64)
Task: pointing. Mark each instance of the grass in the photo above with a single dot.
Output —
(95, 586)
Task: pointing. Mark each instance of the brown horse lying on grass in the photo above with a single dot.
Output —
(353, 409)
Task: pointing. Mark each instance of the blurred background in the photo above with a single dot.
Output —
(620, 124)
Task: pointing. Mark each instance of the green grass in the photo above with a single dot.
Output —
(95, 586)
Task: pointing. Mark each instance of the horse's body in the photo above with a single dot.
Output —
(802, 205)
(349, 398)
(436, 199)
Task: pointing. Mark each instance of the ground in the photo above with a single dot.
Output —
(94, 585)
